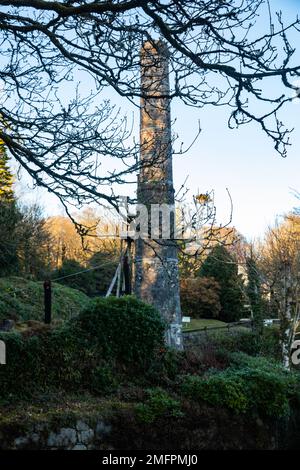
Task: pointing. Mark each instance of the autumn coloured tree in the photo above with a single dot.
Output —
(66, 243)
(280, 264)
(200, 297)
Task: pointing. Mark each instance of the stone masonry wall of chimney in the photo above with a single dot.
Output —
(156, 261)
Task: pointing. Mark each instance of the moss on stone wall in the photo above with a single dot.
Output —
(93, 423)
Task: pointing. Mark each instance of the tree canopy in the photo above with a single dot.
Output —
(61, 131)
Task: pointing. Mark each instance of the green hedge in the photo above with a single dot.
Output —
(244, 340)
(159, 403)
(249, 385)
(111, 334)
(241, 339)
(125, 329)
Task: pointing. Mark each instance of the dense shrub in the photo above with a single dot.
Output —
(252, 385)
(122, 328)
(217, 349)
(270, 342)
(240, 360)
(244, 340)
(165, 366)
(219, 389)
(158, 404)
(49, 358)
(239, 339)
(85, 352)
(103, 379)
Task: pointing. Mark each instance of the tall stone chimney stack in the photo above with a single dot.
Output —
(156, 261)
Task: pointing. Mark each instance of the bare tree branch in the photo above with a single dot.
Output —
(67, 135)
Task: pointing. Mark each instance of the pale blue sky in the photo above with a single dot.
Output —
(244, 161)
(259, 180)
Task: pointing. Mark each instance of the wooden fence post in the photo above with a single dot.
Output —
(126, 272)
(47, 301)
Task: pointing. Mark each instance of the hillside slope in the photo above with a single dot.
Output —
(22, 299)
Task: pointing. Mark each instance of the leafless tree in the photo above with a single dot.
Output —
(280, 265)
(61, 133)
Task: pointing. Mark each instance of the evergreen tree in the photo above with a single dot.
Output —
(9, 221)
(94, 282)
(9, 217)
(221, 266)
(254, 293)
(6, 176)
(22, 229)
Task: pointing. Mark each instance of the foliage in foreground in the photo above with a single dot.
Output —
(158, 403)
(110, 335)
(244, 340)
(253, 385)
(121, 341)
(123, 328)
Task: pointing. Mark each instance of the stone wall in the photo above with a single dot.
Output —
(79, 435)
(201, 428)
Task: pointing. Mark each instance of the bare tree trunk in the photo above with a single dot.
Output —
(287, 314)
